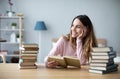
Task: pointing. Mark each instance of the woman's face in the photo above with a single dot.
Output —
(78, 29)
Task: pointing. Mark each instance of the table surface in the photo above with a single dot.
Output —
(11, 71)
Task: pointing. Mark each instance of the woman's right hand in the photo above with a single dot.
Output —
(51, 63)
(81, 35)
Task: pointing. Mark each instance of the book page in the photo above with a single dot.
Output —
(72, 61)
(58, 59)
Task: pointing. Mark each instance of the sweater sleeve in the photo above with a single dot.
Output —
(57, 49)
(79, 50)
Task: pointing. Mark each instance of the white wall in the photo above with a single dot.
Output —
(58, 14)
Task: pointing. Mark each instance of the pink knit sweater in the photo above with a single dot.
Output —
(63, 48)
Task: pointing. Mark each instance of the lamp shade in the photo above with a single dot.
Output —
(40, 25)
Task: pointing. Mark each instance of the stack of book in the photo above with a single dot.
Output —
(28, 56)
(103, 60)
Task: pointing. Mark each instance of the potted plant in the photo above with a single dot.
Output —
(17, 37)
(14, 25)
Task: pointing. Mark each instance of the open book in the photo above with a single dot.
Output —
(66, 61)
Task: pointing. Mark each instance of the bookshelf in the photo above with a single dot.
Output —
(6, 36)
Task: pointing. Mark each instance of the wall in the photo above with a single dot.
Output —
(58, 14)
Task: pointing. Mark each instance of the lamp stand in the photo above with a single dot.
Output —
(39, 52)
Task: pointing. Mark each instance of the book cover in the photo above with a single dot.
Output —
(103, 71)
(29, 52)
(27, 63)
(30, 45)
(101, 64)
(30, 49)
(103, 56)
(72, 61)
(66, 61)
(29, 60)
(29, 57)
(104, 53)
(22, 63)
(102, 49)
(102, 60)
(27, 67)
(58, 59)
(104, 68)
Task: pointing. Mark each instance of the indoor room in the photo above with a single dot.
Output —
(32, 29)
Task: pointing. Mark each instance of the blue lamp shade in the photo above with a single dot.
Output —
(40, 25)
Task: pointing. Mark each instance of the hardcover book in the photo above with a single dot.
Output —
(102, 49)
(27, 63)
(102, 64)
(30, 49)
(66, 61)
(103, 71)
(102, 60)
(103, 57)
(104, 53)
(104, 68)
(29, 57)
(29, 52)
(30, 45)
(27, 67)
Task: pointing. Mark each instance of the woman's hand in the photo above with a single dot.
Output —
(51, 64)
(81, 34)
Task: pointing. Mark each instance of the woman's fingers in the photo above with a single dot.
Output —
(52, 64)
(81, 34)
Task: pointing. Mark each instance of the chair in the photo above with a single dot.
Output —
(101, 42)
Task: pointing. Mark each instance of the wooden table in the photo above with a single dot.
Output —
(11, 71)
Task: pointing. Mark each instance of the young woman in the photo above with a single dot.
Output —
(78, 43)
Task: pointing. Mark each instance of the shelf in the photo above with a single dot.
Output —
(8, 43)
(11, 29)
(7, 17)
(11, 55)
(5, 32)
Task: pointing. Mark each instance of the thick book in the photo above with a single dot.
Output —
(30, 45)
(29, 57)
(102, 49)
(101, 64)
(29, 60)
(66, 61)
(103, 71)
(27, 67)
(103, 56)
(104, 53)
(22, 63)
(29, 52)
(27, 63)
(102, 60)
(104, 68)
(30, 49)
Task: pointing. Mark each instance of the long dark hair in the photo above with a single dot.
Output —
(89, 40)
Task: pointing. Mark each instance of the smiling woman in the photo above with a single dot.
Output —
(77, 43)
